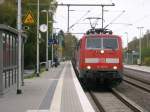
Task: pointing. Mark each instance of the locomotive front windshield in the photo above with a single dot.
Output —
(102, 43)
(93, 43)
(110, 43)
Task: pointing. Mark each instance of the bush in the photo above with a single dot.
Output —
(147, 61)
(145, 52)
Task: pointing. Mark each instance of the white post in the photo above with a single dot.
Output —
(19, 26)
(37, 58)
(127, 48)
(47, 63)
(52, 45)
(52, 57)
(140, 44)
(68, 18)
(132, 58)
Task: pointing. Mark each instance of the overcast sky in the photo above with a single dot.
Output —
(137, 13)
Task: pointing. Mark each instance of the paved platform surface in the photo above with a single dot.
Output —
(57, 90)
(137, 67)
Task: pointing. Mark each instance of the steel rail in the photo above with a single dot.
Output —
(130, 104)
(138, 79)
(137, 85)
(138, 70)
(127, 102)
(97, 103)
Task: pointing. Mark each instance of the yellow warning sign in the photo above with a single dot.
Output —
(29, 19)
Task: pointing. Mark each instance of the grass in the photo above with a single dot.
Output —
(33, 75)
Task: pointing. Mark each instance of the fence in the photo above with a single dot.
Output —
(9, 56)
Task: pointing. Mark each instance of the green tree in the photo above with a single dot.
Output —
(145, 44)
(9, 16)
(70, 42)
(8, 13)
(31, 43)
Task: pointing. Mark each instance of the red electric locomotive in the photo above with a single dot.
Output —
(99, 57)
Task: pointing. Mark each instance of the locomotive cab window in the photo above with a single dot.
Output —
(93, 43)
(102, 43)
(110, 43)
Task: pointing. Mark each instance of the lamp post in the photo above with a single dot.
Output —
(19, 27)
(37, 48)
(52, 47)
(47, 63)
(140, 47)
(102, 16)
(68, 17)
(52, 55)
(133, 52)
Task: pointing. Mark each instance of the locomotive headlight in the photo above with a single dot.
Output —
(115, 67)
(102, 51)
(88, 67)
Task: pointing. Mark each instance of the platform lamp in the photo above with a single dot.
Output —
(19, 27)
(37, 48)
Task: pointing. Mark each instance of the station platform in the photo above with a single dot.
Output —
(56, 90)
(139, 68)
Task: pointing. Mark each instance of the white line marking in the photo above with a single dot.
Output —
(56, 101)
(86, 106)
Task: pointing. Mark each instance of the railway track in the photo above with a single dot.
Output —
(113, 101)
(137, 83)
(139, 75)
(137, 80)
